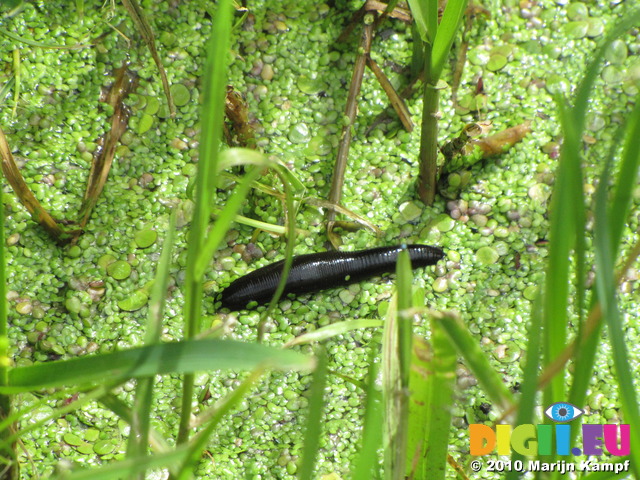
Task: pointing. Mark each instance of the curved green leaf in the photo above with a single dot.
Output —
(188, 356)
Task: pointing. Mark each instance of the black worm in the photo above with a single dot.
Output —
(317, 271)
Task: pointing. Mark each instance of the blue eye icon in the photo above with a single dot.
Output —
(563, 412)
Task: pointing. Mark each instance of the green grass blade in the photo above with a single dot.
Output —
(419, 406)
(188, 356)
(606, 290)
(451, 18)
(288, 259)
(7, 452)
(236, 157)
(330, 331)
(159, 289)
(404, 280)
(440, 397)
(587, 349)
(567, 220)
(212, 121)
(396, 363)
(467, 347)
(213, 108)
(567, 194)
(529, 385)
(17, 73)
(127, 468)
(567, 206)
(141, 413)
(290, 210)
(258, 225)
(390, 367)
(586, 352)
(25, 428)
(425, 16)
(313, 428)
(125, 412)
(364, 467)
(33, 43)
(199, 442)
(5, 360)
(225, 219)
(623, 193)
(6, 89)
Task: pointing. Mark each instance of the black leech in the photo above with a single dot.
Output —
(318, 271)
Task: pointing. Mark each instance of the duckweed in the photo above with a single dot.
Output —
(145, 123)
(105, 260)
(73, 304)
(72, 439)
(24, 308)
(145, 238)
(577, 11)
(440, 285)
(496, 62)
(596, 27)
(530, 292)
(103, 447)
(119, 269)
(180, 94)
(578, 29)
(136, 301)
(13, 239)
(296, 89)
(299, 133)
(152, 106)
(617, 52)
(410, 211)
(487, 255)
(310, 86)
(478, 56)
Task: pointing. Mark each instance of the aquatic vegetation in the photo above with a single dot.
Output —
(116, 344)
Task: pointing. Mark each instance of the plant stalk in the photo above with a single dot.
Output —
(337, 182)
(429, 134)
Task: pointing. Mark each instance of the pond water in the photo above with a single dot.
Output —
(285, 61)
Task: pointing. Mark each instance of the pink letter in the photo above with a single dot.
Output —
(611, 440)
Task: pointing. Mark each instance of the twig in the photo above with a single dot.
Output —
(137, 14)
(350, 114)
(125, 82)
(396, 101)
(24, 193)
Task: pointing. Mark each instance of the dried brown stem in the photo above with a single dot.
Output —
(24, 193)
(396, 101)
(125, 82)
(350, 114)
(139, 18)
